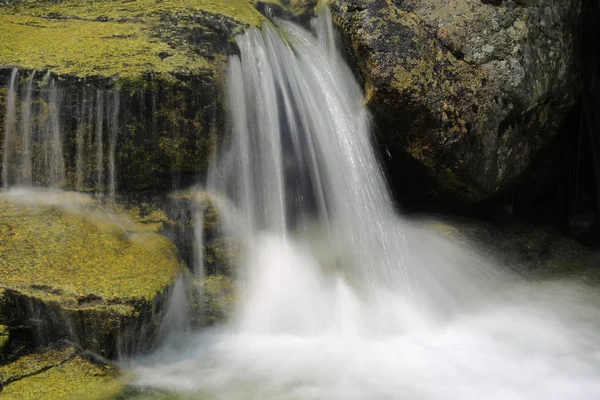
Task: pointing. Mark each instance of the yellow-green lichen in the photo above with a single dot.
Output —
(86, 48)
(74, 253)
(218, 299)
(32, 364)
(4, 336)
(118, 37)
(54, 375)
(140, 10)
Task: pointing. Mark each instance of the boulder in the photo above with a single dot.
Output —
(465, 93)
(73, 270)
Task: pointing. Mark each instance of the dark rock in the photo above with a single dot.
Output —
(465, 95)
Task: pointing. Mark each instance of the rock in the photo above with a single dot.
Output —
(4, 337)
(73, 271)
(465, 93)
(58, 374)
(300, 11)
(122, 38)
(536, 253)
(189, 208)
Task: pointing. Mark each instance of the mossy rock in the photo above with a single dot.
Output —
(4, 336)
(166, 61)
(217, 300)
(122, 38)
(220, 252)
(465, 95)
(71, 270)
(58, 374)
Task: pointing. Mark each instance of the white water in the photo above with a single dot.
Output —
(339, 297)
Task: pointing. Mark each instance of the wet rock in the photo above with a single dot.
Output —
(215, 300)
(72, 272)
(465, 94)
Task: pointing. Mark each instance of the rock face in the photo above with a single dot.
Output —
(71, 272)
(465, 93)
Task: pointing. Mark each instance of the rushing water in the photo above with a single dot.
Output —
(339, 297)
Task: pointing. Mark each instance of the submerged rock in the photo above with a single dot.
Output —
(71, 272)
(466, 93)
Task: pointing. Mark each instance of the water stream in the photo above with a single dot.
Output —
(340, 298)
(43, 123)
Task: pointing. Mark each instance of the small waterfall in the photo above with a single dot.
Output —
(199, 242)
(26, 134)
(55, 135)
(341, 298)
(57, 161)
(10, 127)
(82, 117)
(99, 140)
(113, 134)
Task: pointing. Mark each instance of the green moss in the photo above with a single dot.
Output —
(221, 256)
(218, 299)
(4, 337)
(58, 374)
(32, 364)
(119, 38)
(86, 48)
(140, 10)
(199, 199)
(80, 252)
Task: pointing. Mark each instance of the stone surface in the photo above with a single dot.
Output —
(72, 270)
(465, 93)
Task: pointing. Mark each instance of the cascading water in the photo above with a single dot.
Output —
(340, 298)
(36, 137)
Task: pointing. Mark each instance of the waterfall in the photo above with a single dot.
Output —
(114, 131)
(57, 161)
(26, 134)
(80, 140)
(55, 135)
(10, 126)
(99, 140)
(301, 169)
(339, 297)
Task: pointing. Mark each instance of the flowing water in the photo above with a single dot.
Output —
(339, 297)
(38, 124)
